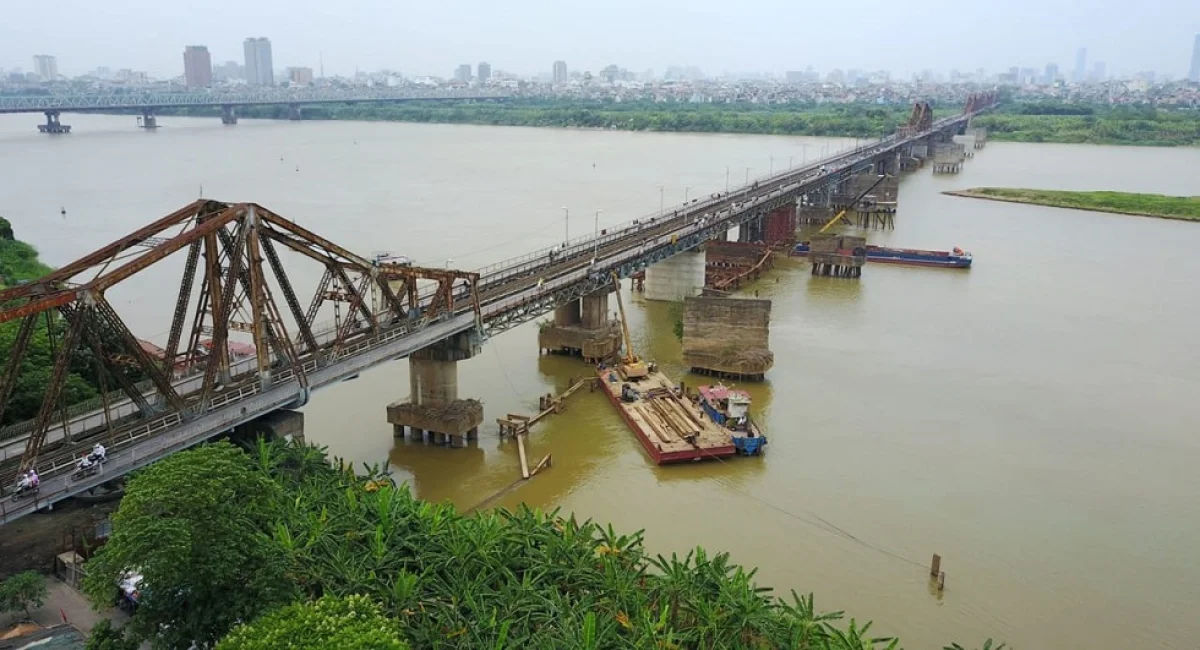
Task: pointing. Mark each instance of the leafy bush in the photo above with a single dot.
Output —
(23, 592)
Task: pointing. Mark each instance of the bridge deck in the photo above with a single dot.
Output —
(513, 292)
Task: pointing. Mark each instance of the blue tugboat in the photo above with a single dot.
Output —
(731, 409)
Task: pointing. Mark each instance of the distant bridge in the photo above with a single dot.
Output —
(53, 105)
(234, 281)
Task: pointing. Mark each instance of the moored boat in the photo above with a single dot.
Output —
(956, 258)
(731, 409)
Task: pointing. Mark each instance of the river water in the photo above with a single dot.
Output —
(1034, 420)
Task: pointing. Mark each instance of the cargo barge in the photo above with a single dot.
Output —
(956, 258)
(731, 409)
(670, 427)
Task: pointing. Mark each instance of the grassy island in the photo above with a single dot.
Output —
(1143, 205)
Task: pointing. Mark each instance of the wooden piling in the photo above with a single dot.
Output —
(935, 566)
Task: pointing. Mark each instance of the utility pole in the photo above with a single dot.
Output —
(662, 206)
(596, 251)
(727, 179)
(566, 225)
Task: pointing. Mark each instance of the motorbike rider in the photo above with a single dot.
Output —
(28, 480)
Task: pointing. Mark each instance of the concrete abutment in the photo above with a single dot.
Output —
(676, 278)
(582, 328)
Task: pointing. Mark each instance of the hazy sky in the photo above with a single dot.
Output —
(525, 37)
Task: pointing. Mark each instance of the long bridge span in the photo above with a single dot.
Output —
(360, 314)
(149, 102)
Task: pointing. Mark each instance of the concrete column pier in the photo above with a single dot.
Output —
(295, 112)
(677, 277)
(433, 405)
(148, 120)
(228, 115)
(582, 328)
(52, 124)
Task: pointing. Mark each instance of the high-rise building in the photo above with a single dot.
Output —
(1051, 73)
(1099, 72)
(197, 66)
(1194, 73)
(1080, 66)
(45, 67)
(301, 76)
(229, 70)
(560, 72)
(463, 73)
(794, 76)
(260, 70)
(484, 72)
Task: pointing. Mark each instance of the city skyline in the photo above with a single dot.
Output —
(705, 34)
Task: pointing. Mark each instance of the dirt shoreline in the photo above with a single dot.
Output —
(32, 542)
(1009, 199)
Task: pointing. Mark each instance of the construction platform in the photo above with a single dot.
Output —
(670, 427)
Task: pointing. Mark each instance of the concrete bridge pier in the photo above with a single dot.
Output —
(582, 328)
(433, 407)
(295, 112)
(52, 124)
(677, 277)
(148, 120)
(228, 115)
(283, 424)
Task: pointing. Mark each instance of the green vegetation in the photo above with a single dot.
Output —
(197, 527)
(349, 623)
(1092, 124)
(1045, 121)
(849, 120)
(105, 637)
(1151, 205)
(279, 540)
(23, 592)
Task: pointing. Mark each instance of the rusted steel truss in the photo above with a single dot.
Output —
(227, 327)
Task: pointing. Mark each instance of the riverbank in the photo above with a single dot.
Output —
(1186, 208)
(1015, 122)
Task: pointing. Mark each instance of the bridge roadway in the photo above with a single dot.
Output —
(153, 100)
(510, 293)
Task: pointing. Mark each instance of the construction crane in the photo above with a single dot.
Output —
(853, 203)
(631, 366)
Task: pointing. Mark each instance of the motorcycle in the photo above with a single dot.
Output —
(87, 466)
(25, 489)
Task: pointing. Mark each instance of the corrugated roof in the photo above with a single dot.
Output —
(59, 637)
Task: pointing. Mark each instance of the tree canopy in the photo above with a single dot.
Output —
(349, 623)
(196, 526)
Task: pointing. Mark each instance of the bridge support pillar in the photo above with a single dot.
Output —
(295, 112)
(228, 115)
(148, 120)
(433, 407)
(52, 124)
(283, 424)
(582, 328)
(677, 277)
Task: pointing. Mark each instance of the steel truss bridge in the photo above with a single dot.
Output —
(234, 282)
(151, 101)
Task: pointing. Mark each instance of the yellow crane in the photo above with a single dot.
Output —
(631, 366)
(853, 203)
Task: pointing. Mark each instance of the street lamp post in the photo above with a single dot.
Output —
(566, 225)
(790, 159)
(771, 169)
(685, 194)
(596, 250)
(662, 206)
(803, 154)
(727, 179)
